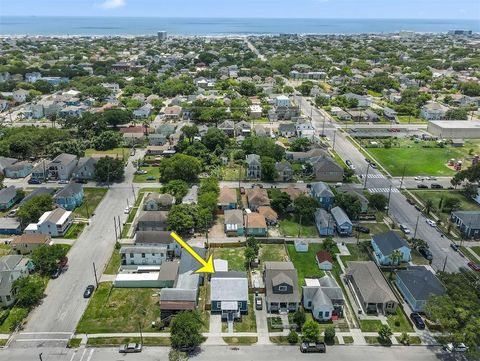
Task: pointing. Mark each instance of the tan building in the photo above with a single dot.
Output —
(27, 243)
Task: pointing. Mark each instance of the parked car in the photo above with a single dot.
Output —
(258, 303)
(12, 213)
(363, 229)
(373, 165)
(417, 207)
(405, 229)
(455, 247)
(63, 181)
(88, 291)
(141, 171)
(313, 347)
(474, 266)
(456, 347)
(426, 253)
(34, 181)
(348, 162)
(430, 222)
(55, 274)
(130, 348)
(127, 210)
(422, 186)
(150, 178)
(417, 320)
(367, 160)
(410, 201)
(436, 186)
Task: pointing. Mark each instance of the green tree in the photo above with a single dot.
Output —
(176, 188)
(350, 203)
(310, 331)
(254, 244)
(377, 201)
(457, 114)
(300, 145)
(109, 169)
(329, 334)
(31, 210)
(396, 256)
(190, 131)
(269, 172)
(46, 258)
(305, 206)
(385, 332)
(181, 218)
(215, 138)
(405, 339)
(107, 140)
(180, 166)
(292, 337)
(175, 355)
(305, 88)
(43, 86)
(280, 201)
(185, 330)
(329, 245)
(428, 206)
(28, 290)
(299, 318)
(452, 204)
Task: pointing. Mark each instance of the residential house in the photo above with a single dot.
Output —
(293, 193)
(323, 194)
(147, 276)
(282, 101)
(284, 171)
(254, 166)
(54, 223)
(152, 221)
(62, 166)
(281, 287)
(417, 284)
(70, 197)
(228, 127)
(6, 162)
(271, 217)
(20, 96)
(27, 243)
(343, 225)
(305, 130)
(433, 111)
(255, 111)
(233, 223)
(371, 291)
(324, 222)
(287, 130)
(389, 113)
(9, 226)
(144, 111)
(243, 129)
(301, 246)
(158, 239)
(323, 297)
(143, 255)
(157, 139)
(357, 193)
(363, 101)
(227, 198)
(12, 268)
(85, 169)
(229, 294)
(257, 197)
(8, 197)
(192, 196)
(173, 112)
(18, 170)
(155, 201)
(40, 171)
(37, 192)
(468, 223)
(256, 225)
(326, 169)
(324, 260)
(305, 156)
(385, 244)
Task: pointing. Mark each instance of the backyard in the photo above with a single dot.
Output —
(92, 198)
(234, 256)
(273, 252)
(421, 158)
(231, 172)
(120, 310)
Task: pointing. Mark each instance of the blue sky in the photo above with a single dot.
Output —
(404, 9)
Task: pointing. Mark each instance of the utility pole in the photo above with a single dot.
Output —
(95, 274)
(128, 205)
(388, 204)
(134, 196)
(445, 263)
(141, 335)
(334, 138)
(115, 224)
(299, 226)
(40, 356)
(416, 226)
(366, 177)
(403, 176)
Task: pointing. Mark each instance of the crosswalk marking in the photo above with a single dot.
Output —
(374, 176)
(383, 190)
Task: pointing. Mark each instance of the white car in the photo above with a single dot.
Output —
(417, 178)
(458, 348)
(127, 210)
(352, 167)
(431, 223)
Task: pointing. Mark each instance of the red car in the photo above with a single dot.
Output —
(474, 266)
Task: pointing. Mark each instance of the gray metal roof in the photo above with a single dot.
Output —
(178, 294)
(229, 286)
(143, 249)
(37, 192)
(145, 237)
(471, 219)
(340, 216)
(389, 241)
(7, 194)
(187, 278)
(323, 218)
(321, 189)
(421, 282)
(69, 190)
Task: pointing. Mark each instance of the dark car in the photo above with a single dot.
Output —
(82, 181)
(455, 247)
(474, 266)
(258, 303)
(436, 186)
(313, 347)
(373, 165)
(417, 320)
(150, 178)
(56, 273)
(422, 186)
(34, 181)
(425, 252)
(410, 201)
(363, 229)
(88, 291)
(367, 160)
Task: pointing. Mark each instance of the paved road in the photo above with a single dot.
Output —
(400, 210)
(245, 353)
(56, 318)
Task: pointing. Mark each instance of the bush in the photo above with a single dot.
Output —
(329, 334)
(405, 339)
(292, 337)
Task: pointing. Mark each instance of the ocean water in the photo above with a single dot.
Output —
(32, 25)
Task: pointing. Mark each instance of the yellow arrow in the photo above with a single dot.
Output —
(207, 265)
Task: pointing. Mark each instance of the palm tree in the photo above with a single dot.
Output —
(428, 206)
(396, 256)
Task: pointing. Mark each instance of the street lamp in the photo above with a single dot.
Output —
(366, 177)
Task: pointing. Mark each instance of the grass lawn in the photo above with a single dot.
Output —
(399, 322)
(4, 249)
(234, 256)
(290, 228)
(3, 342)
(282, 340)
(93, 196)
(114, 263)
(231, 172)
(419, 160)
(417, 258)
(469, 255)
(125, 230)
(305, 263)
(74, 342)
(348, 340)
(151, 172)
(273, 252)
(414, 340)
(376, 340)
(248, 322)
(16, 315)
(274, 324)
(357, 253)
(370, 325)
(115, 152)
(375, 228)
(476, 249)
(116, 341)
(405, 119)
(74, 231)
(120, 310)
(242, 340)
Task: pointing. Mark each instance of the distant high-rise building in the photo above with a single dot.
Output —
(460, 32)
(162, 35)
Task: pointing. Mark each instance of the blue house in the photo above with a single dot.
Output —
(384, 244)
(70, 197)
(417, 284)
(323, 194)
(229, 294)
(8, 197)
(324, 222)
(18, 170)
(343, 224)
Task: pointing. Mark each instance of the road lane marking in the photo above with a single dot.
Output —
(83, 354)
(90, 355)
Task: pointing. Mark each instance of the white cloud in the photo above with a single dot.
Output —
(112, 4)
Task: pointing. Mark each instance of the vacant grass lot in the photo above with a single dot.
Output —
(419, 160)
(370, 325)
(305, 263)
(151, 172)
(93, 197)
(242, 340)
(114, 153)
(117, 341)
(357, 252)
(114, 263)
(234, 256)
(405, 119)
(232, 172)
(273, 252)
(74, 231)
(291, 228)
(375, 228)
(120, 310)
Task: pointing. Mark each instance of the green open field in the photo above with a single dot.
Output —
(291, 228)
(151, 172)
(120, 310)
(114, 153)
(419, 160)
(231, 172)
(93, 196)
(405, 119)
